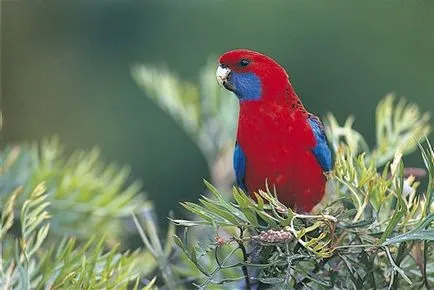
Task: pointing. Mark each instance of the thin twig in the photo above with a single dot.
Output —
(245, 256)
(425, 259)
(216, 270)
(395, 268)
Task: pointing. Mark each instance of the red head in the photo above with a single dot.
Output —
(251, 75)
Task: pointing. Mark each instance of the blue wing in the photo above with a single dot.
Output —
(240, 167)
(321, 150)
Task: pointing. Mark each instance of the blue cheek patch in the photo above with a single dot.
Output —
(247, 86)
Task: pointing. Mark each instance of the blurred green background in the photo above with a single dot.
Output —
(66, 70)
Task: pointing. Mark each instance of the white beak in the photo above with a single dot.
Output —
(222, 74)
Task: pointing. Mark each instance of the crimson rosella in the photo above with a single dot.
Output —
(278, 141)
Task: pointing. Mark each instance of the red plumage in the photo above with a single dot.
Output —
(275, 135)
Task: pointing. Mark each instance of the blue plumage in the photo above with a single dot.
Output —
(322, 151)
(247, 86)
(240, 167)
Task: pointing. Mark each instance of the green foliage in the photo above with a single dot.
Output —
(28, 263)
(62, 225)
(87, 198)
(372, 231)
(161, 254)
(253, 222)
(398, 125)
(205, 111)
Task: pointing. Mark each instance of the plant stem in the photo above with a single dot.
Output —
(425, 257)
(399, 258)
(245, 255)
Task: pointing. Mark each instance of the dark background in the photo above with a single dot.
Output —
(66, 70)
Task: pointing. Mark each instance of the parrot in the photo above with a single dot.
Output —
(278, 142)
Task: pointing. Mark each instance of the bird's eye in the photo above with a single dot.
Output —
(244, 62)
